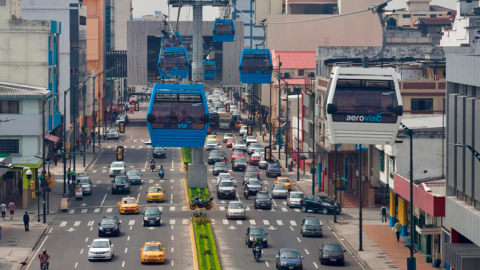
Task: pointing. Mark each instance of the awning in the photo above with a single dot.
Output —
(52, 138)
(428, 230)
(462, 256)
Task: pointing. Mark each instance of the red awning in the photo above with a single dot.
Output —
(52, 138)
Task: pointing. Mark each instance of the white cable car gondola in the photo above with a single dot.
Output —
(363, 106)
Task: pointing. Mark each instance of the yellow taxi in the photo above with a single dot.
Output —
(212, 137)
(152, 252)
(284, 180)
(155, 194)
(128, 205)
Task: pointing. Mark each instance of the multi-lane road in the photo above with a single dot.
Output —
(70, 233)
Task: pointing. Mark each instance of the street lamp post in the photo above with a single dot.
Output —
(360, 205)
(298, 134)
(279, 104)
(335, 183)
(64, 140)
(43, 157)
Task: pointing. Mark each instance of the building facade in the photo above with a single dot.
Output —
(417, 9)
(123, 14)
(463, 126)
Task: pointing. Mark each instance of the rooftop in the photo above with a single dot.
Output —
(436, 188)
(436, 21)
(432, 8)
(294, 59)
(423, 122)
(21, 91)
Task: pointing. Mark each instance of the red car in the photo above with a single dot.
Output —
(254, 159)
(230, 143)
(235, 154)
(253, 169)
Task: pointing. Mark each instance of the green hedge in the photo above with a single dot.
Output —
(206, 249)
(202, 193)
(187, 154)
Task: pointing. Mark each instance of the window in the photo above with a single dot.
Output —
(382, 161)
(301, 72)
(433, 15)
(422, 105)
(9, 106)
(406, 16)
(10, 146)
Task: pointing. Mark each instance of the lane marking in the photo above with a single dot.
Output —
(293, 223)
(131, 222)
(128, 238)
(76, 264)
(123, 264)
(172, 262)
(291, 228)
(109, 210)
(36, 252)
(90, 223)
(172, 237)
(306, 251)
(267, 264)
(266, 222)
(172, 221)
(103, 201)
(131, 227)
(138, 197)
(77, 223)
(50, 231)
(86, 240)
(126, 250)
(172, 249)
(171, 198)
(315, 264)
(172, 227)
(63, 224)
(252, 222)
(280, 223)
(81, 251)
(299, 240)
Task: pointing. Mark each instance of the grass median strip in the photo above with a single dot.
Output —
(205, 242)
(187, 154)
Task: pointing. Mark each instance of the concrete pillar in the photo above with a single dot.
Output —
(27, 193)
(197, 171)
(197, 66)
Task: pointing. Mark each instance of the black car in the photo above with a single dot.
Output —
(311, 226)
(263, 200)
(120, 184)
(159, 152)
(240, 164)
(214, 156)
(273, 169)
(256, 232)
(134, 177)
(109, 226)
(220, 167)
(321, 204)
(152, 216)
(331, 253)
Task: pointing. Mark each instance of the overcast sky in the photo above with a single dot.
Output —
(147, 7)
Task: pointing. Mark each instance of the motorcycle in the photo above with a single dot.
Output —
(201, 204)
(43, 264)
(247, 193)
(258, 253)
(152, 167)
(161, 174)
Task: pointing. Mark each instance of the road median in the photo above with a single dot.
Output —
(206, 251)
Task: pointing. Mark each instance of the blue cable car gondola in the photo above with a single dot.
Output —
(223, 30)
(174, 61)
(209, 69)
(175, 41)
(256, 66)
(178, 115)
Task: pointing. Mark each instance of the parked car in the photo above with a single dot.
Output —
(289, 258)
(220, 167)
(311, 226)
(159, 152)
(294, 198)
(226, 188)
(113, 134)
(135, 177)
(110, 225)
(117, 168)
(120, 184)
(215, 156)
(236, 210)
(262, 200)
(152, 216)
(240, 164)
(100, 249)
(273, 169)
(84, 180)
(321, 204)
(331, 253)
(279, 191)
(256, 232)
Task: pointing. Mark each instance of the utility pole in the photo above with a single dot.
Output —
(84, 129)
(64, 140)
(93, 113)
(360, 204)
(298, 134)
(43, 158)
(75, 107)
(279, 104)
(313, 158)
(335, 183)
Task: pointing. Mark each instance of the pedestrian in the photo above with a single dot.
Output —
(3, 207)
(292, 161)
(384, 213)
(263, 134)
(92, 133)
(85, 139)
(397, 228)
(20, 187)
(26, 220)
(264, 127)
(55, 159)
(11, 206)
(104, 135)
(74, 176)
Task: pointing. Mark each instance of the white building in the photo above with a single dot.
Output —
(123, 14)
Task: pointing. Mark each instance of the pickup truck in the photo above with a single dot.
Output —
(224, 120)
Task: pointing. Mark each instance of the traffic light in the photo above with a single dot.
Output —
(120, 153)
(249, 130)
(268, 153)
(137, 107)
(121, 126)
(32, 185)
(227, 108)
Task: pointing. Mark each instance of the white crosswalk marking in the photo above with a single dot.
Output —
(284, 209)
(212, 221)
(99, 182)
(239, 222)
(160, 208)
(77, 223)
(97, 210)
(172, 221)
(296, 210)
(247, 209)
(63, 224)
(185, 221)
(150, 181)
(293, 223)
(143, 140)
(131, 222)
(234, 181)
(109, 210)
(172, 208)
(273, 209)
(172, 180)
(162, 181)
(261, 210)
(84, 211)
(140, 146)
(134, 140)
(94, 171)
(265, 182)
(184, 208)
(280, 223)
(109, 147)
(222, 208)
(252, 222)
(71, 211)
(225, 222)
(104, 171)
(143, 170)
(90, 223)
(266, 222)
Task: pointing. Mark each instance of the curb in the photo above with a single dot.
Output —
(349, 246)
(34, 248)
(194, 246)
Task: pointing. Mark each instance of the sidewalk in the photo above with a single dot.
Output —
(16, 244)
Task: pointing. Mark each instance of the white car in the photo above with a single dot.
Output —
(113, 134)
(211, 145)
(236, 210)
(251, 139)
(239, 145)
(120, 118)
(117, 168)
(228, 136)
(223, 176)
(100, 249)
(293, 200)
(279, 191)
(263, 163)
(243, 130)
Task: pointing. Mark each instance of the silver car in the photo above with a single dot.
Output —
(293, 200)
(100, 249)
(211, 145)
(117, 168)
(236, 210)
(84, 180)
(240, 145)
(279, 191)
(113, 134)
